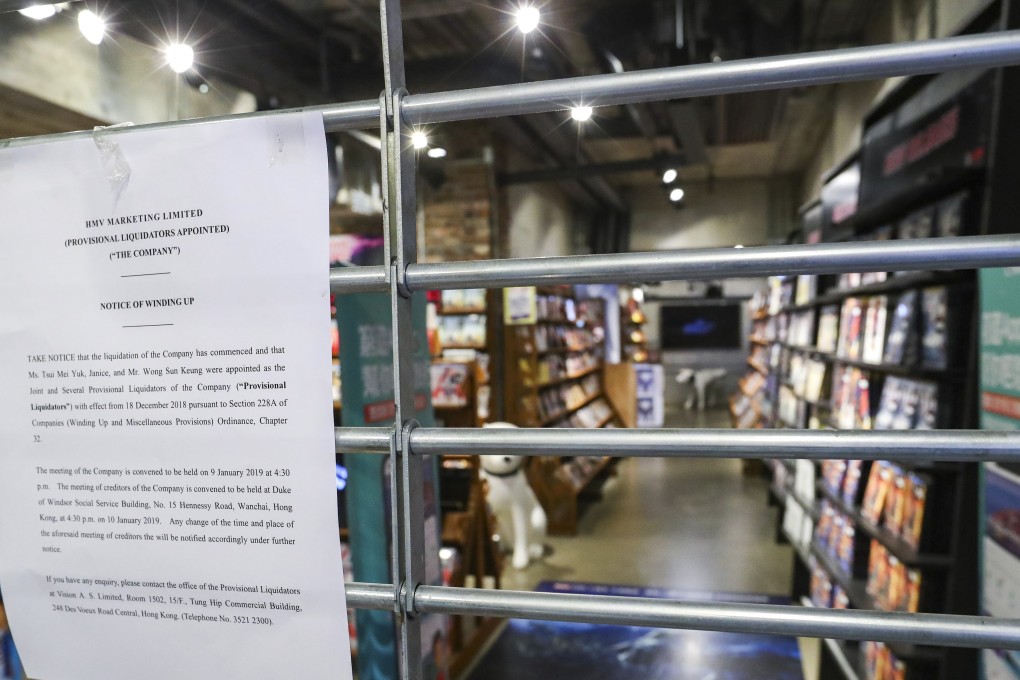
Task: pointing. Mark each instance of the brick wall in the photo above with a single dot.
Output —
(458, 216)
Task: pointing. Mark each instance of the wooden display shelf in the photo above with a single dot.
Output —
(451, 407)
(760, 341)
(592, 474)
(470, 531)
(738, 417)
(524, 406)
(570, 409)
(559, 497)
(475, 645)
(565, 350)
(569, 377)
(477, 346)
(469, 311)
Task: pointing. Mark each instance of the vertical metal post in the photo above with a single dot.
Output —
(407, 499)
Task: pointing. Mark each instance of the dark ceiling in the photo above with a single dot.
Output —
(298, 52)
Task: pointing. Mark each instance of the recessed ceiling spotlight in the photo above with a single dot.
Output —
(676, 195)
(180, 57)
(437, 152)
(581, 113)
(527, 18)
(419, 139)
(91, 26)
(38, 12)
(669, 176)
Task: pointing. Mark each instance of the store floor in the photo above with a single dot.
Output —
(688, 524)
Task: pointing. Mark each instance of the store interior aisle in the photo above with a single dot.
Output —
(689, 524)
(686, 524)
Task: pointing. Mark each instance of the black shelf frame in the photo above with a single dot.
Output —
(993, 203)
(919, 372)
(896, 546)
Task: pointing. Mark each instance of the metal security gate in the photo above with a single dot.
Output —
(406, 443)
(398, 113)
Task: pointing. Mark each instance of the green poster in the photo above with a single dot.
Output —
(1000, 410)
(1000, 349)
(366, 346)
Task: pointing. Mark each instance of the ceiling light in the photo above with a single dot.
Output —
(676, 195)
(91, 26)
(180, 57)
(527, 18)
(39, 12)
(738, 246)
(419, 139)
(203, 88)
(438, 152)
(581, 113)
(669, 176)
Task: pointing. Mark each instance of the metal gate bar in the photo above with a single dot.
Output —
(967, 446)
(700, 80)
(958, 252)
(405, 442)
(925, 629)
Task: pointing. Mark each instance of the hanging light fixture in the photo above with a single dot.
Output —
(38, 12)
(527, 18)
(91, 26)
(581, 113)
(180, 57)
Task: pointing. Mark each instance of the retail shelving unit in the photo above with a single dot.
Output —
(461, 351)
(887, 351)
(470, 558)
(555, 372)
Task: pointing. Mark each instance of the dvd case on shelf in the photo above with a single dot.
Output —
(814, 381)
(934, 340)
(828, 329)
(949, 215)
(874, 330)
(907, 405)
(900, 344)
(849, 345)
(917, 224)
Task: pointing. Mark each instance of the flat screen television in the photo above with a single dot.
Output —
(701, 325)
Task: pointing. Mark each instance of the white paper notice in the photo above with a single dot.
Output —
(167, 480)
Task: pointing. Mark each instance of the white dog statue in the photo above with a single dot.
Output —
(522, 521)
